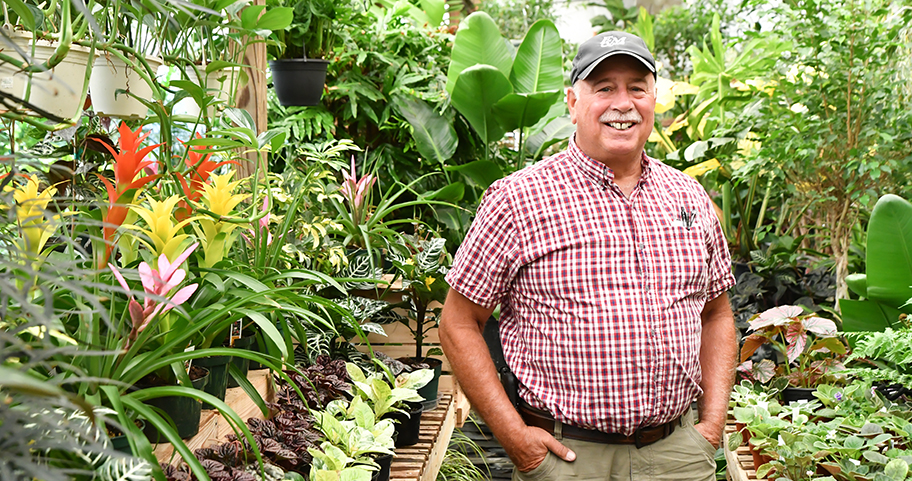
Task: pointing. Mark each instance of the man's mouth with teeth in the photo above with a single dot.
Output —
(621, 125)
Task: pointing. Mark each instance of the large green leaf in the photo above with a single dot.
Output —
(858, 283)
(518, 110)
(889, 251)
(478, 41)
(557, 130)
(481, 173)
(537, 66)
(866, 315)
(435, 135)
(476, 92)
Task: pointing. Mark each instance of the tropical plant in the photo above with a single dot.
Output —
(884, 288)
(808, 344)
(382, 396)
(496, 92)
(838, 107)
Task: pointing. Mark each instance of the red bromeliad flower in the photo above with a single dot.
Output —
(129, 165)
(200, 167)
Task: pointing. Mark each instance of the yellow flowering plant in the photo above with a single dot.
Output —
(215, 234)
(167, 236)
(35, 227)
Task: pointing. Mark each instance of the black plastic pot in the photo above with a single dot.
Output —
(121, 442)
(790, 394)
(218, 376)
(429, 391)
(185, 413)
(240, 363)
(408, 424)
(385, 462)
(299, 81)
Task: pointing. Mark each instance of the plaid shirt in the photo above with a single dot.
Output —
(600, 295)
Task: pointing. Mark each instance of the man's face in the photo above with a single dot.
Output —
(614, 110)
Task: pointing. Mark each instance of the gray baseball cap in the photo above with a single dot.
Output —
(604, 45)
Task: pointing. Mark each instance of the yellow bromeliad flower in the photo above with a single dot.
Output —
(165, 234)
(218, 197)
(34, 227)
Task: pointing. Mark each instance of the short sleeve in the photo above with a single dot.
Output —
(720, 277)
(487, 260)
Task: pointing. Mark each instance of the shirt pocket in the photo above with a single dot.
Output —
(683, 257)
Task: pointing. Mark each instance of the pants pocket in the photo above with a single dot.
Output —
(702, 443)
(539, 473)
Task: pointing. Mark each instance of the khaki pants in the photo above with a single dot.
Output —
(684, 456)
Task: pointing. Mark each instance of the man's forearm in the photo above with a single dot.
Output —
(465, 348)
(718, 355)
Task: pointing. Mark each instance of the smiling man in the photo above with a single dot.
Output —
(610, 269)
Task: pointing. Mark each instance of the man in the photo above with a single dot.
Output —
(611, 270)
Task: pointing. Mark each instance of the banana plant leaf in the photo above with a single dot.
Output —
(481, 173)
(867, 315)
(476, 91)
(556, 130)
(889, 252)
(434, 135)
(478, 41)
(519, 110)
(537, 66)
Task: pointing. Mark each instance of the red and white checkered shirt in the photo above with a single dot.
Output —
(600, 295)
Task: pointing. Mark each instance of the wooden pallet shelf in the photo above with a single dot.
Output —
(419, 462)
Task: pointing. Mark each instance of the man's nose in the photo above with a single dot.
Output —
(622, 101)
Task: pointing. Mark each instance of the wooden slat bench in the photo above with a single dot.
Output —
(419, 462)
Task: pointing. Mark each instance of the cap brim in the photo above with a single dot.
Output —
(585, 73)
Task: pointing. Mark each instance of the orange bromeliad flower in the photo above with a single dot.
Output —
(129, 165)
(200, 167)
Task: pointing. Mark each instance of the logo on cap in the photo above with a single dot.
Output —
(610, 41)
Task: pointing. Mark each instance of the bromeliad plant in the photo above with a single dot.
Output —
(808, 344)
(131, 173)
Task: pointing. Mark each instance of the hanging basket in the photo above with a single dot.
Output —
(57, 91)
(111, 74)
(299, 81)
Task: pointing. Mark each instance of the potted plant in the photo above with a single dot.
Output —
(43, 75)
(808, 345)
(304, 50)
(421, 263)
(396, 398)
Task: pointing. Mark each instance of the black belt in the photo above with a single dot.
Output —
(641, 437)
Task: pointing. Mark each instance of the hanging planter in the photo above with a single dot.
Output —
(57, 91)
(299, 81)
(218, 83)
(111, 74)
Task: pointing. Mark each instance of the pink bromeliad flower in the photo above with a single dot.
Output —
(356, 191)
(156, 283)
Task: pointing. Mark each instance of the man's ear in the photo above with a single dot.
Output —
(571, 104)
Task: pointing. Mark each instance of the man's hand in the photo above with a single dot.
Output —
(531, 446)
(461, 326)
(713, 434)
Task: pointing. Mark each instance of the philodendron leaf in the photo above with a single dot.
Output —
(475, 93)
(478, 41)
(354, 372)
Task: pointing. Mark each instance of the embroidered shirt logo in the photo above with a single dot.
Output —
(686, 218)
(611, 41)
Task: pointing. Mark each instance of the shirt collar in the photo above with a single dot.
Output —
(600, 173)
